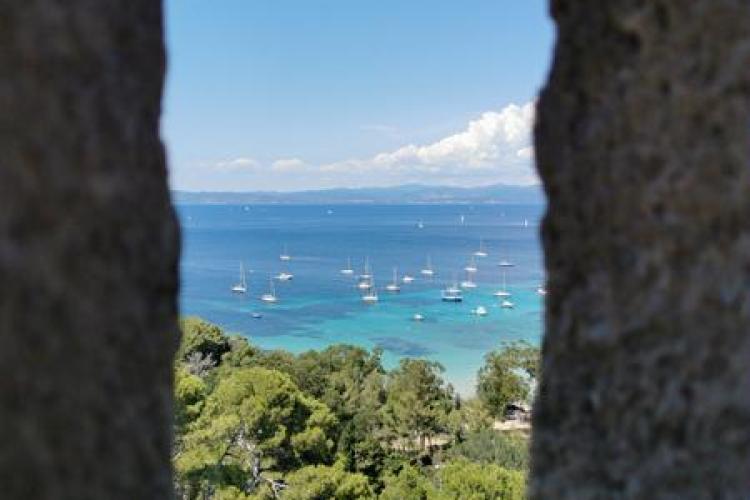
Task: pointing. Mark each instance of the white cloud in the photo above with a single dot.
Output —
(496, 144)
(235, 164)
(288, 165)
(493, 148)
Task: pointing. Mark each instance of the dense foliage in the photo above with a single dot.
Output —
(508, 376)
(334, 424)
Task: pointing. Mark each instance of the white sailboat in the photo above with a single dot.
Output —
(503, 292)
(371, 295)
(393, 286)
(452, 294)
(417, 317)
(542, 290)
(366, 273)
(505, 263)
(428, 271)
(507, 304)
(407, 279)
(471, 267)
(364, 284)
(241, 287)
(270, 296)
(468, 283)
(481, 252)
(348, 271)
(285, 255)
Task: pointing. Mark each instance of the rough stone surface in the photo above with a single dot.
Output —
(643, 144)
(88, 252)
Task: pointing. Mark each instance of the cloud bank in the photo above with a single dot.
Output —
(493, 148)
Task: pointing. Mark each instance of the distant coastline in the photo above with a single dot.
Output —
(408, 194)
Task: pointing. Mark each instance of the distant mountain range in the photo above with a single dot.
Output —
(407, 194)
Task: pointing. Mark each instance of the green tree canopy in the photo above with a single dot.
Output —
(409, 483)
(507, 376)
(508, 450)
(254, 419)
(463, 480)
(319, 482)
(417, 401)
(203, 338)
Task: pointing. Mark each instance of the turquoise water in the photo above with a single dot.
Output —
(320, 306)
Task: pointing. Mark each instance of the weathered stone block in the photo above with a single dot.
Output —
(88, 252)
(643, 144)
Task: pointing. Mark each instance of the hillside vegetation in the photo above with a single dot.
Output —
(334, 424)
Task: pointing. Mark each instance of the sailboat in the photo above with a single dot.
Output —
(364, 284)
(241, 287)
(270, 297)
(480, 251)
(505, 263)
(468, 282)
(452, 294)
(393, 286)
(428, 271)
(526, 223)
(503, 292)
(507, 304)
(542, 290)
(371, 296)
(366, 274)
(348, 271)
(285, 255)
(471, 267)
(407, 279)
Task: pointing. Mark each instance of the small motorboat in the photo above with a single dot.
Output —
(480, 311)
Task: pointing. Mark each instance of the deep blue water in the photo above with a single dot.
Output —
(320, 306)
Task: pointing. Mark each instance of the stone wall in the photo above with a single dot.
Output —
(643, 144)
(88, 252)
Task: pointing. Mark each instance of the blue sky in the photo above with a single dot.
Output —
(304, 94)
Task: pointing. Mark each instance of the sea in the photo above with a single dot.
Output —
(320, 306)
